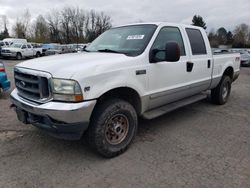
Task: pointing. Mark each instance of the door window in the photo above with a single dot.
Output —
(168, 34)
(197, 42)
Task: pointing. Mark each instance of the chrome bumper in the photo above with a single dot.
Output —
(67, 113)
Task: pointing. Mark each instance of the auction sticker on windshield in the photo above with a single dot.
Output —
(135, 37)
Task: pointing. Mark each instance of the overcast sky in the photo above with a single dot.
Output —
(226, 13)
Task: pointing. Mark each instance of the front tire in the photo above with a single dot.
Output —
(221, 93)
(38, 54)
(112, 128)
(18, 56)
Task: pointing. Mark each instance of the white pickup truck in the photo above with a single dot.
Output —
(21, 50)
(135, 70)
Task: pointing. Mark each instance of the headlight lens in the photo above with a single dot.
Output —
(66, 90)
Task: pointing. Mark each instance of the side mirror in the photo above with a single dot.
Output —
(170, 54)
(173, 52)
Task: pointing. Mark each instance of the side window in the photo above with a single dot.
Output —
(24, 47)
(168, 34)
(197, 42)
(29, 46)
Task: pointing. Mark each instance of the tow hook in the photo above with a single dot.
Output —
(13, 106)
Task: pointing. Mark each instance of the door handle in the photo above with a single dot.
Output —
(190, 66)
(209, 64)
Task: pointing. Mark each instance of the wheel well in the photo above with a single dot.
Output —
(229, 72)
(124, 93)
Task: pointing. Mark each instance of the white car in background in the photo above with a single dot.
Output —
(20, 51)
(245, 59)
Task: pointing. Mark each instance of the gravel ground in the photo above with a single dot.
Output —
(201, 145)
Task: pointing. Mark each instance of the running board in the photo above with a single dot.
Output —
(173, 106)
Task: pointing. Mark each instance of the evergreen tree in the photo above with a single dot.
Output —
(198, 21)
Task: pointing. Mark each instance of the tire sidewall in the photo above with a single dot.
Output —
(125, 109)
(225, 80)
(18, 56)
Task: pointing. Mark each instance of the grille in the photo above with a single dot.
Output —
(6, 51)
(35, 88)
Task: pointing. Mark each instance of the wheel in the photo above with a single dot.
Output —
(18, 56)
(221, 93)
(112, 128)
(38, 54)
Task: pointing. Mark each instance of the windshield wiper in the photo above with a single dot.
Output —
(110, 51)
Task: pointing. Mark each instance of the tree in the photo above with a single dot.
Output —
(5, 32)
(41, 31)
(241, 36)
(230, 39)
(54, 26)
(198, 21)
(22, 25)
(213, 39)
(96, 24)
(222, 36)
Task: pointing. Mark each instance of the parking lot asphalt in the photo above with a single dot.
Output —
(201, 145)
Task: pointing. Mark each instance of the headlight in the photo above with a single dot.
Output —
(66, 90)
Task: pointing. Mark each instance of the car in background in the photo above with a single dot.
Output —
(20, 51)
(79, 47)
(4, 82)
(60, 49)
(245, 59)
(54, 49)
(47, 46)
(3, 45)
(219, 51)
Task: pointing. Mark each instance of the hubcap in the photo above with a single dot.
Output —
(116, 129)
(225, 91)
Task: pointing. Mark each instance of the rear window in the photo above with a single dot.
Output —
(197, 42)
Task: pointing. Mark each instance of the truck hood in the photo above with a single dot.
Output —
(65, 66)
(12, 49)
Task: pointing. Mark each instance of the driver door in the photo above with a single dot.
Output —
(168, 81)
(24, 50)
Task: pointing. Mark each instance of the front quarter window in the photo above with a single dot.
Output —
(129, 40)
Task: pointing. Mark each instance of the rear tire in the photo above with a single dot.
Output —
(221, 93)
(112, 128)
(18, 56)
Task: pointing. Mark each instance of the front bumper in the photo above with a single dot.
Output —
(8, 54)
(62, 120)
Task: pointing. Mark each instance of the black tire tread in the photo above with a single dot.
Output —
(216, 92)
(95, 131)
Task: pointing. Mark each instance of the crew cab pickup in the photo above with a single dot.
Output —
(4, 82)
(134, 70)
(20, 51)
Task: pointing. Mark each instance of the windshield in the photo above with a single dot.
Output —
(129, 40)
(16, 46)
